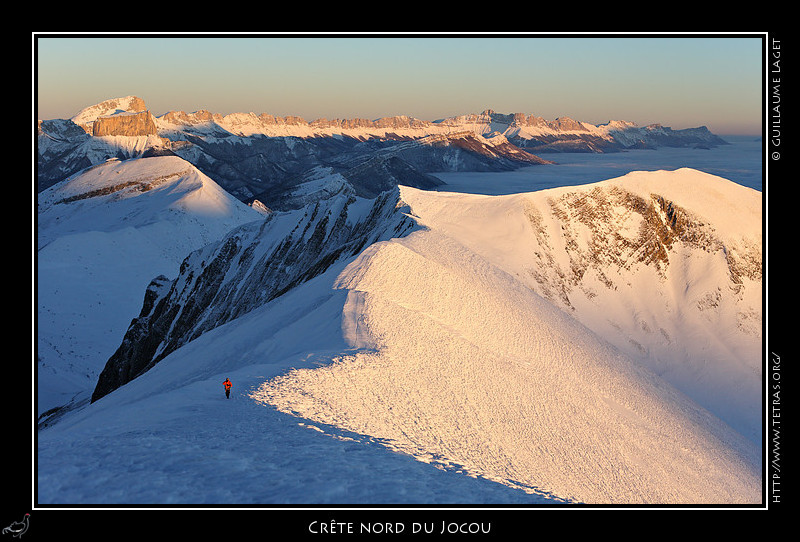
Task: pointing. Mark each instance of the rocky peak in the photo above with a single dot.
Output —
(86, 117)
(342, 123)
(566, 123)
(183, 118)
(272, 120)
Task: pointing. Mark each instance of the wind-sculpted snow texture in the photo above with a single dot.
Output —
(460, 362)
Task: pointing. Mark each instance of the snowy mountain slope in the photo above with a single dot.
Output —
(462, 363)
(64, 150)
(459, 363)
(102, 236)
(170, 437)
(434, 342)
(664, 265)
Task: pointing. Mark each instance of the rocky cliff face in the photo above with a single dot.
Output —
(86, 117)
(125, 124)
(181, 118)
(608, 231)
(252, 265)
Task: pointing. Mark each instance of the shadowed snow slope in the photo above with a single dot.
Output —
(459, 361)
(102, 236)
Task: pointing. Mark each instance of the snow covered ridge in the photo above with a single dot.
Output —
(87, 201)
(666, 266)
(598, 343)
(458, 360)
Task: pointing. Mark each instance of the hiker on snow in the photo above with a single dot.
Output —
(227, 385)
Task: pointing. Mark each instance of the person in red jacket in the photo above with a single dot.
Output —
(227, 385)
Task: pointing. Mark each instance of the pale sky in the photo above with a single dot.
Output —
(678, 81)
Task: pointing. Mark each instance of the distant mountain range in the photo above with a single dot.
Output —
(273, 159)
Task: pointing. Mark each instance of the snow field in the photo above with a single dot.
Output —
(170, 437)
(474, 369)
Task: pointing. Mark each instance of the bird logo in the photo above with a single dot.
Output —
(18, 528)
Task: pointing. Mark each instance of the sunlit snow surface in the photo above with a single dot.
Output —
(421, 372)
(459, 361)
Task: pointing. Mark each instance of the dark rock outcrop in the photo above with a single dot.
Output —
(249, 267)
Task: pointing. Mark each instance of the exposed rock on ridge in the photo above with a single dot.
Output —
(252, 265)
(86, 117)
